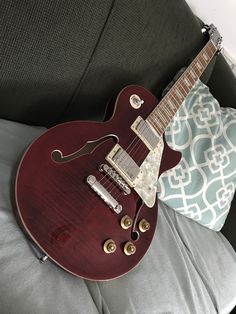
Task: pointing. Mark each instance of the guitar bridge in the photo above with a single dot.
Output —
(104, 194)
(114, 176)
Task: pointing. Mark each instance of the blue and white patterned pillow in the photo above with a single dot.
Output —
(202, 185)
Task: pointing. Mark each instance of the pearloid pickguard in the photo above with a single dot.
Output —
(146, 183)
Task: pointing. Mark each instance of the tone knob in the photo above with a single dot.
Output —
(144, 225)
(109, 246)
(126, 222)
(129, 248)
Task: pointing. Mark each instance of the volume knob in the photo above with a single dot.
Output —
(109, 246)
(129, 248)
(126, 222)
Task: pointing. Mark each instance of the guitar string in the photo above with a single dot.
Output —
(178, 94)
(83, 196)
(166, 122)
(137, 139)
(163, 111)
(178, 84)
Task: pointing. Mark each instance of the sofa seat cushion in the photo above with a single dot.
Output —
(188, 268)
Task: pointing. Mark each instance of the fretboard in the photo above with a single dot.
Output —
(171, 102)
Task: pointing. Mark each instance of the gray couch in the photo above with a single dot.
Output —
(64, 60)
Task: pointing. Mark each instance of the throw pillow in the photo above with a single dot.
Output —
(202, 185)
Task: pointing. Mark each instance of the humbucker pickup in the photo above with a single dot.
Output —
(124, 164)
(145, 132)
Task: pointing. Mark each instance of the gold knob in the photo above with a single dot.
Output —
(126, 222)
(129, 248)
(144, 225)
(109, 246)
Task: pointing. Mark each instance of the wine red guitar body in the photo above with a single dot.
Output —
(64, 215)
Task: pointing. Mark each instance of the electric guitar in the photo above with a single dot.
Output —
(86, 192)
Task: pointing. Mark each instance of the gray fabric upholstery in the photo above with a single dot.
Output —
(188, 269)
(64, 60)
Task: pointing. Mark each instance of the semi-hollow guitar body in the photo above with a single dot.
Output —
(86, 192)
(72, 219)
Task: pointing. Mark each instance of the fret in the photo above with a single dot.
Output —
(163, 117)
(169, 105)
(205, 56)
(168, 110)
(190, 78)
(151, 120)
(208, 51)
(158, 119)
(174, 100)
(181, 87)
(158, 128)
(153, 124)
(212, 47)
(187, 83)
(184, 86)
(192, 73)
(199, 65)
(166, 121)
(203, 62)
(165, 113)
(177, 93)
(195, 69)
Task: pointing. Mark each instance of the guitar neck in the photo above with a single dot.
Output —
(161, 116)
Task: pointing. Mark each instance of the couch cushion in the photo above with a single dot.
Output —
(26, 286)
(187, 269)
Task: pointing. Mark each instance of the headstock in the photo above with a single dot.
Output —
(214, 35)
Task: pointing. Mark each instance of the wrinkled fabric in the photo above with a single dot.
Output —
(188, 268)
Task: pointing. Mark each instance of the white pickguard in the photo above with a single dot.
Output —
(146, 183)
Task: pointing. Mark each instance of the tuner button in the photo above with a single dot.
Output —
(129, 248)
(126, 222)
(144, 225)
(109, 246)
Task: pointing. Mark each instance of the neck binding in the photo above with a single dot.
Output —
(169, 105)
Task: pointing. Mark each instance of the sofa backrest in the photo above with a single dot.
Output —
(63, 60)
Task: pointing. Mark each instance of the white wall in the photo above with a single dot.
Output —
(222, 13)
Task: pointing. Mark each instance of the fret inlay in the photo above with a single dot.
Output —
(192, 73)
(199, 66)
(169, 105)
(186, 81)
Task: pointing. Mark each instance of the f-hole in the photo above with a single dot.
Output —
(88, 148)
(134, 233)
